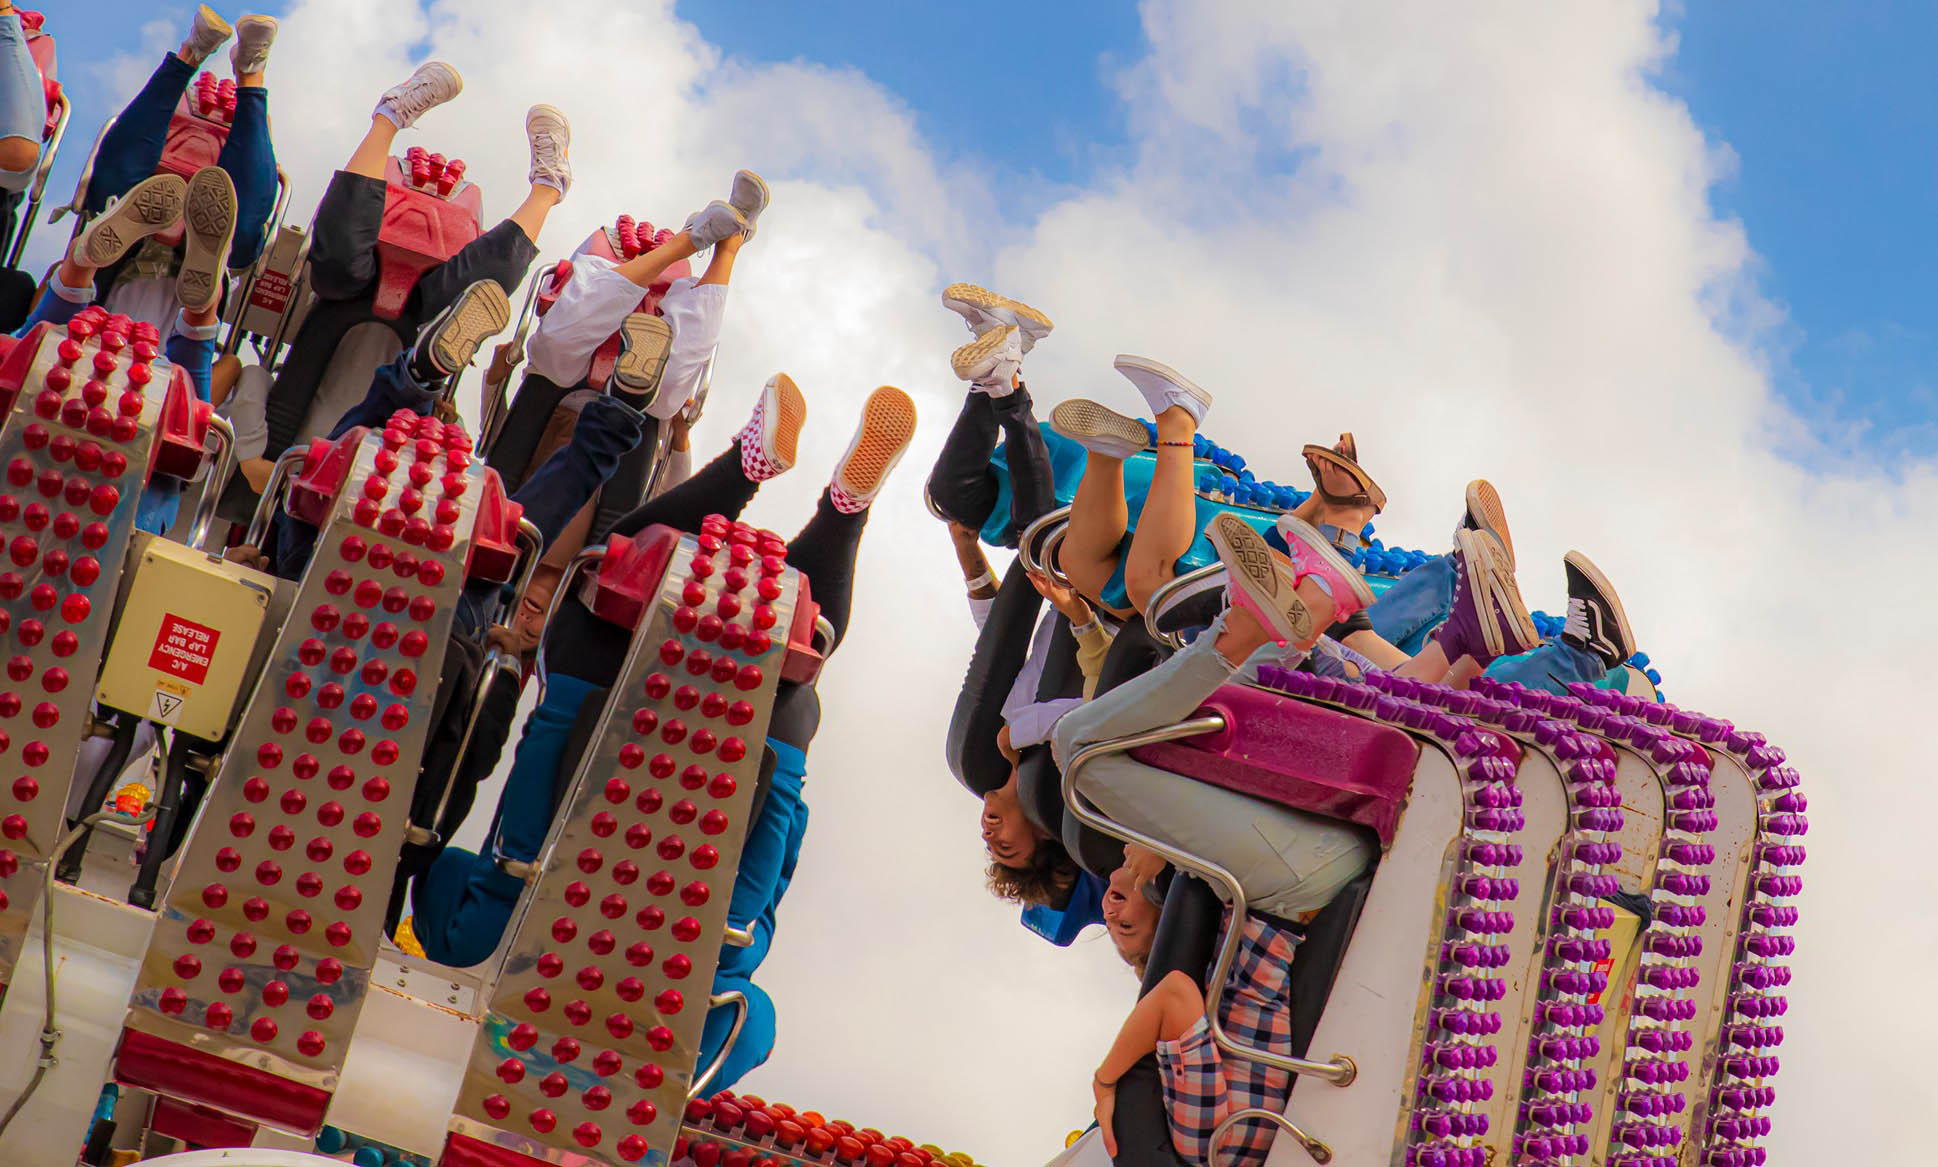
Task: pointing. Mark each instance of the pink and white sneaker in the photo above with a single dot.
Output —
(1313, 554)
(771, 437)
(1258, 583)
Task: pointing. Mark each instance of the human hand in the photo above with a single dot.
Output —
(1106, 1098)
(247, 556)
(1143, 864)
(1064, 599)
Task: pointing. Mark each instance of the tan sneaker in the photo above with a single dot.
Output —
(991, 361)
(644, 342)
(204, 36)
(1256, 581)
(887, 427)
(152, 206)
(1099, 428)
(982, 310)
(210, 216)
(1485, 513)
(451, 340)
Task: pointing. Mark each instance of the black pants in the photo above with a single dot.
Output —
(823, 551)
(343, 252)
(963, 485)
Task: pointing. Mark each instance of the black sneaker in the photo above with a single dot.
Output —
(449, 342)
(1596, 621)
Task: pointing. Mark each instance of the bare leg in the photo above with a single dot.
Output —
(646, 268)
(373, 152)
(530, 215)
(1099, 516)
(720, 267)
(1375, 648)
(1429, 664)
(1170, 519)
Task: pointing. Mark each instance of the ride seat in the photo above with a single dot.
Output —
(430, 212)
(40, 46)
(197, 132)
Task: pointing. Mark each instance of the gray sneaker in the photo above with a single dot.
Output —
(204, 36)
(152, 206)
(254, 35)
(713, 224)
(210, 219)
(748, 196)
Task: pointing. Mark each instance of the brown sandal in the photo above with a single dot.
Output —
(1344, 457)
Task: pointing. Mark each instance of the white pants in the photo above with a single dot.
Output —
(593, 304)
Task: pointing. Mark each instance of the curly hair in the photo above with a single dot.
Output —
(1044, 880)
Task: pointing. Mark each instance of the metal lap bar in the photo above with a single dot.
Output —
(1048, 531)
(1340, 1071)
(1320, 1152)
(738, 1000)
(272, 495)
(261, 959)
(37, 192)
(587, 1049)
(86, 413)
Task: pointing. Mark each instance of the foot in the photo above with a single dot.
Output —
(1313, 554)
(887, 426)
(716, 222)
(1596, 621)
(204, 36)
(153, 205)
(644, 341)
(772, 436)
(1488, 619)
(210, 218)
(1099, 429)
(1485, 513)
(550, 136)
(749, 197)
(1339, 480)
(449, 342)
(982, 310)
(250, 53)
(1257, 584)
(433, 84)
(1163, 387)
(991, 361)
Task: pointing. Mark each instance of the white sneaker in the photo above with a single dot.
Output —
(550, 136)
(204, 36)
(254, 35)
(982, 310)
(150, 207)
(713, 224)
(433, 84)
(1164, 387)
(1099, 428)
(209, 212)
(749, 197)
(887, 427)
(991, 361)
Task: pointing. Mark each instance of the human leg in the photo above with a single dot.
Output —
(132, 147)
(762, 449)
(1099, 514)
(249, 156)
(962, 486)
(151, 206)
(608, 430)
(23, 105)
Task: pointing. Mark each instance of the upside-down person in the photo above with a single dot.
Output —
(131, 151)
(207, 202)
(662, 359)
(1289, 864)
(463, 905)
(344, 262)
(23, 104)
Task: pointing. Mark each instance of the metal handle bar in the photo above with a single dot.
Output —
(1340, 1071)
(272, 496)
(739, 1001)
(1319, 1151)
(214, 482)
(1162, 597)
(30, 210)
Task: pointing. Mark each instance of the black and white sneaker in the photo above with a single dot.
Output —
(1596, 621)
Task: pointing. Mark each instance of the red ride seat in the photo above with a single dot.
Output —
(197, 132)
(429, 213)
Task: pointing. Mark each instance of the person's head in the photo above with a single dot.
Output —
(1131, 918)
(1025, 865)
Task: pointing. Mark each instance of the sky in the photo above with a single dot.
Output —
(1654, 273)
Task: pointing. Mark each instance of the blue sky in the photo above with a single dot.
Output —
(1827, 109)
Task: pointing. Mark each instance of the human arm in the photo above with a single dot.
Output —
(976, 574)
(1166, 1013)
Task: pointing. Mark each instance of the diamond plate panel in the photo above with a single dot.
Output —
(263, 951)
(588, 1046)
(77, 447)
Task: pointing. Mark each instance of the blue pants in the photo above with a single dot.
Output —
(463, 902)
(1552, 667)
(131, 150)
(23, 101)
(1415, 604)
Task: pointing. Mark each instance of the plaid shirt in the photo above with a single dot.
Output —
(1202, 1086)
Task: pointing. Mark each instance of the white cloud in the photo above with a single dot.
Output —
(1478, 236)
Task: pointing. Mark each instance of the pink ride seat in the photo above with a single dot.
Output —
(1299, 755)
(429, 214)
(196, 133)
(625, 239)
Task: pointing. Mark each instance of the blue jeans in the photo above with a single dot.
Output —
(53, 308)
(131, 150)
(1415, 604)
(766, 868)
(463, 903)
(1552, 667)
(23, 102)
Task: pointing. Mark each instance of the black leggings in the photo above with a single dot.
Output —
(823, 551)
(964, 487)
(343, 252)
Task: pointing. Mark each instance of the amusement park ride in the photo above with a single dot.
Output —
(1571, 951)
